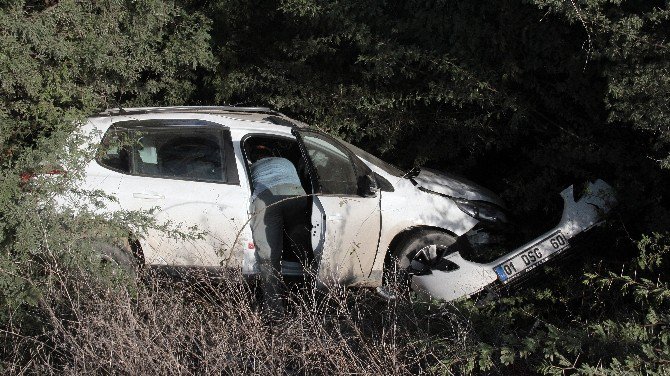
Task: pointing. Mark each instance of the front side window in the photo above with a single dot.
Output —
(335, 169)
(188, 153)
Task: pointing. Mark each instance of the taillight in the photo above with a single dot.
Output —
(27, 176)
(56, 171)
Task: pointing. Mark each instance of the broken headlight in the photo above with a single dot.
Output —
(481, 210)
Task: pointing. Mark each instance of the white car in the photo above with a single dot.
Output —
(366, 215)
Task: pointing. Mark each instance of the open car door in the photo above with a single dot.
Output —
(345, 213)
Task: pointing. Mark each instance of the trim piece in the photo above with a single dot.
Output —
(193, 109)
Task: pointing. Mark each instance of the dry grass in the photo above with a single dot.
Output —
(215, 327)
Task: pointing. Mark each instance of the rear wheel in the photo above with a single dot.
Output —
(117, 257)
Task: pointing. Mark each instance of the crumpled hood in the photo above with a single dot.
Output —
(455, 186)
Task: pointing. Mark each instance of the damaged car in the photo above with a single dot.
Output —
(368, 219)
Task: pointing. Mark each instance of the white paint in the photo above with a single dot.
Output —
(347, 235)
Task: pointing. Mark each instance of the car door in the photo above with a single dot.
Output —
(346, 213)
(185, 173)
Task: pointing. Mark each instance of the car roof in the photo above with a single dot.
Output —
(254, 114)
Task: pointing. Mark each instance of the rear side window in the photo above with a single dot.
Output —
(173, 152)
(192, 154)
(115, 151)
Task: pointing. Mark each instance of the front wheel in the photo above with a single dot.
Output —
(418, 254)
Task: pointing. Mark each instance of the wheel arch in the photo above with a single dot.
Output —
(408, 233)
(125, 252)
(134, 247)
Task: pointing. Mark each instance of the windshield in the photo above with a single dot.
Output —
(387, 167)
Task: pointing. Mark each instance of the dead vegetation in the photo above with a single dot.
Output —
(163, 326)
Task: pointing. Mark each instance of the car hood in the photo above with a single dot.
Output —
(454, 186)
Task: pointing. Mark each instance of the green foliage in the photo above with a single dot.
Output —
(618, 325)
(515, 95)
(523, 96)
(59, 62)
(629, 40)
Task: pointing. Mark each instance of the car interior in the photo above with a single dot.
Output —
(297, 241)
(181, 155)
(165, 153)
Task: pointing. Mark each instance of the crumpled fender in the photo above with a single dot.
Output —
(471, 277)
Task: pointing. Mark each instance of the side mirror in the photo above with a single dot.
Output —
(367, 186)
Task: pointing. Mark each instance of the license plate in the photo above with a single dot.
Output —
(531, 257)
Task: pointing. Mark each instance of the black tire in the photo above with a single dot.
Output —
(415, 255)
(118, 257)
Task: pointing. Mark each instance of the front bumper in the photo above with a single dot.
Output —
(471, 277)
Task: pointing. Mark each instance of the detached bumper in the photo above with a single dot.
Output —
(472, 277)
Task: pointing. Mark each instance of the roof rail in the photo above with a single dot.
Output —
(199, 109)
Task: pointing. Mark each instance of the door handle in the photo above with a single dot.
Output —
(148, 196)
